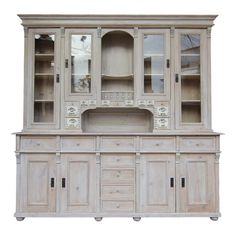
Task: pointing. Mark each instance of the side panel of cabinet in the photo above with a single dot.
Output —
(78, 179)
(197, 183)
(157, 191)
(38, 183)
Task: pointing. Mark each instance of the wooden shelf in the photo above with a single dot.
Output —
(43, 100)
(44, 54)
(153, 55)
(191, 102)
(117, 77)
(44, 74)
(190, 76)
(189, 55)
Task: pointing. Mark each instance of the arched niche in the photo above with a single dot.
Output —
(117, 61)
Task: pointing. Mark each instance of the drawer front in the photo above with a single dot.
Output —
(117, 144)
(157, 144)
(118, 192)
(38, 143)
(125, 206)
(197, 144)
(117, 176)
(118, 160)
(78, 144)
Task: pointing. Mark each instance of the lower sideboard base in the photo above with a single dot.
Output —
(136, 216)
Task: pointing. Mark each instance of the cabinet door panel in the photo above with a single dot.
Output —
(79, 188)
(197, 194)
(38, 193)
(157, 193)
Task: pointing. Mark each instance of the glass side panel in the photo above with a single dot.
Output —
(81, 63)
(44, 77)
(190, 78)
(154, 56)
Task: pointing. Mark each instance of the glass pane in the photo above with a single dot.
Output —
(153, 65)
(153, 44)
(44, 78)
(43, 111)
(190, 78)
(190, 65)
(154, 84)
(81, 63)
(154, 56)
(190, 44)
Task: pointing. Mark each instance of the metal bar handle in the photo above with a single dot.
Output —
(172, 182)
(183, 182)
(63, 182)
(52, 182)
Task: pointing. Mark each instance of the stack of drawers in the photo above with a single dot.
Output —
(118, 183)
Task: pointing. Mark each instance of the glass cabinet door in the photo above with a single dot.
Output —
(79, 63)
(45, 77)
(44, 55)
(190, 76)
(156, 62)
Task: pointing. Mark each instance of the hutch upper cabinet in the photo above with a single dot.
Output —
(117, 117)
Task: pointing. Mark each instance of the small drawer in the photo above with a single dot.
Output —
(157, 144)
(38, 143)
(118, 192)
(117, 160)
(115, 144)
(78, 144)
(125, 206)
(197, 144)
(119, 176)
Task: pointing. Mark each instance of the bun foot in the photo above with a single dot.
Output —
(98, 218)
(20, 218)
(137, 218)
(214, 218)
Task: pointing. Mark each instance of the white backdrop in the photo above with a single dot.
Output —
(223, 93)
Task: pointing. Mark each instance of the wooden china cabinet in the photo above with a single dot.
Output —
(117, 117)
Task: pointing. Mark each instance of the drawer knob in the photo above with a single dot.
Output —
(38, 144)
(117, 144)
(118, 206)
(118, 175)
(198, 144)
(118, 159)
(77, 144)
(157, 144)
(117, 191)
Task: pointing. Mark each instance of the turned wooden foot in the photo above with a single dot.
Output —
(136, 218)
(20, 218)
(98, 218)
(214, 218)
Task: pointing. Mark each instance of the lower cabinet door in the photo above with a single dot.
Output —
(197, 183)
(78, 179)
(157, 190)
(38, 183)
